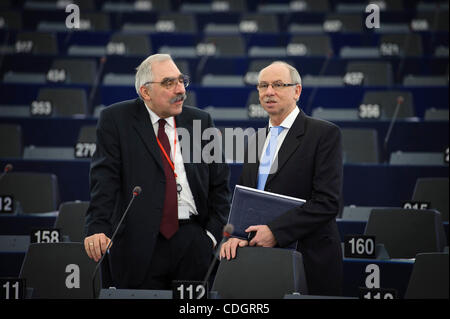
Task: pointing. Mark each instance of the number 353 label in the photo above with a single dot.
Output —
(359, 246)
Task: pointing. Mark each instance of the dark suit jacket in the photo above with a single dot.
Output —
(128, 155)
(310, 168)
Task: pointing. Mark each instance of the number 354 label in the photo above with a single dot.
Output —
(359, 246)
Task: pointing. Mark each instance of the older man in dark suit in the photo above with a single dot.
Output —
(305, 159)
(173, 226)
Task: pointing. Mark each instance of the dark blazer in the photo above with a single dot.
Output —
(309, 167)
(128, 155)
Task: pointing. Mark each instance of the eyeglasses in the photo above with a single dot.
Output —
(170, 83)
(278, 85)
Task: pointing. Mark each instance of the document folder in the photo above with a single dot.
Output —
(252, 206)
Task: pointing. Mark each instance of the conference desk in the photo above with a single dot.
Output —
(387, 274)
(365, 273)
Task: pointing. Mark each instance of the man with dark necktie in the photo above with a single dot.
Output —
(171, 230)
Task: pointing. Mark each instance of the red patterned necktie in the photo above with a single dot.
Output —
(169, 221)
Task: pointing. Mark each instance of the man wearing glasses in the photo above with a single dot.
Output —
(173, 226)
(305, 159)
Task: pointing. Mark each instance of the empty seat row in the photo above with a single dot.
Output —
(428, 192)
(13, 146)
(194, 17)
(284, 45)
(119, 70)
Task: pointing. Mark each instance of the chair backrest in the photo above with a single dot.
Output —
(407, 232)
(36, 192)
(65, 101)
(78, 71)
(227, 45)
(59, 271)
(182, 22)
(259, 272)
(71, 219)
(87, 134)
(387, 100)
(360, 145)
(264, 22)
(41, 42)
(315, 45)
(135, 44)
(375, 72)
(409, 44)
(429, 277)
(435, 191)
(11, 140)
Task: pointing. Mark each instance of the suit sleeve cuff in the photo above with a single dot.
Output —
(212, 238)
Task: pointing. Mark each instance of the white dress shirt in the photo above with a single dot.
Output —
(286, 124)
(186, 203)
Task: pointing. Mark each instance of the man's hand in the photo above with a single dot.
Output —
(228, 248)
(263, 237)
(95, 246)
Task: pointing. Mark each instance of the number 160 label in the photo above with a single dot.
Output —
(359, 246)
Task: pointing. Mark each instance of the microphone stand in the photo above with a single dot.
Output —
(400, 100)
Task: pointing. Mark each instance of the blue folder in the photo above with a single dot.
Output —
(252, 206)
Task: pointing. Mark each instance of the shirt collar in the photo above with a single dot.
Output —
(154, 118)
(289, 120)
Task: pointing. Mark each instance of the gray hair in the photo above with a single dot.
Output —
(144, 70)
(295, 76)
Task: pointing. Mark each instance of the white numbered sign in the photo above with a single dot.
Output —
(190, 290)
(377, 293)
(416, 205)
(85, 150)
(50, 235)
(359, 246)
(6, 204)
(12, 288)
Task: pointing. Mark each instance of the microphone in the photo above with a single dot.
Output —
(400, 100)
(227, 231)
(136, 191)
(8, 168)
